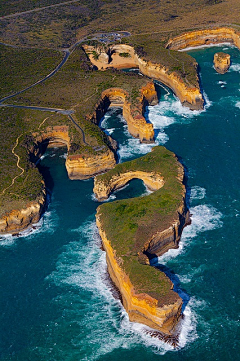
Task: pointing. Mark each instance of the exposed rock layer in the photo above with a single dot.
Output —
(143, 307)
(102, 190)
(79, 167)
(133, 113)
(205, 37)
(140, 307)
(18, 220)
(222, 62)
(188, 95)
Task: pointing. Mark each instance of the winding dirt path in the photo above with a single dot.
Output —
(18, 160)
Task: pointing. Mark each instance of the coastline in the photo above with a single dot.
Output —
(162, 314)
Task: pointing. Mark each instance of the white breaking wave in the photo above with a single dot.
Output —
(133, 147)
(47, 224)
(99, 315)
(235, 67)
(63, 156)
(164, 113)
(229, 45)
(237, 104)
(203, 218)
(197, 193)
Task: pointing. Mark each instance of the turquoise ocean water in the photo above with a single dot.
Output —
(55, 298)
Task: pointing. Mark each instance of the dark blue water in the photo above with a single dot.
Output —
(55, 298)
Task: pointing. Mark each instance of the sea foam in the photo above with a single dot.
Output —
(93, 306)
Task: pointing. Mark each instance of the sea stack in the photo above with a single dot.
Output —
(221, 62)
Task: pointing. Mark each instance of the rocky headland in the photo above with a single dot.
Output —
(222, 62)
(20, 219)
(135, 230)
(21, 215)
(132, 112)
(190, 95)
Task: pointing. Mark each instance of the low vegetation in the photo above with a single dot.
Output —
(20, 68)
(61, 26)
(76, 86)
(124, 55)
(130, 223)
(16, 127)
(150, 48)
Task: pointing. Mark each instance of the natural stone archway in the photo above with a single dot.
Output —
(77, 167)
(102, 190)
(137, 229)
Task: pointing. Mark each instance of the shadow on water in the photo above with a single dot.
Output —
(200, 84)
(185, 182)
(154, 261)
(174, 279)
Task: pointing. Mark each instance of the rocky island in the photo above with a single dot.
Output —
(135, 230)
(222, 62)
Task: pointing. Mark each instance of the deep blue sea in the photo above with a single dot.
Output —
(55, 298)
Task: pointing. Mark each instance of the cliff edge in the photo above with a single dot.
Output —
(189, 93)
(135, 230)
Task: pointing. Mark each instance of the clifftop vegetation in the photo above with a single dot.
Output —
(131, 223)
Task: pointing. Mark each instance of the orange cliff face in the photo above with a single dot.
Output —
(77, 165)
(205, 37)
(133, 114)
(83, 167)
(18, 220)
(222, 62)
(102, 190)
(188, 95)
(141, 307)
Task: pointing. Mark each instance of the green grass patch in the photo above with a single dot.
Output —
(130, 223)
(124, 55)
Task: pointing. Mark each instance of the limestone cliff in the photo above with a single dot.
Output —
(136, 230)
(133, 113)
(221, 62)
(82, 167)
(140, 307)
(78, 166)
(18, 220)
(102, 190)
(188, 95)
(205, 37)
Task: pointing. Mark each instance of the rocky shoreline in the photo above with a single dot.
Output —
(141, 306)
(189, 96)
